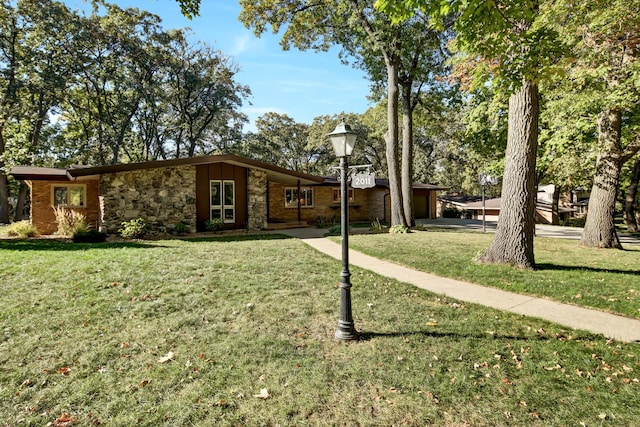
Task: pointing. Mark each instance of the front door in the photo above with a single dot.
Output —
(223, 200)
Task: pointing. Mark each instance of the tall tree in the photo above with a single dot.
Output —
(630, 200)
(605, 59)
(116, 67)
(505, 36)
(281, 141)
(421, 55)
(204, 98)
(357, 27)
(35, 36)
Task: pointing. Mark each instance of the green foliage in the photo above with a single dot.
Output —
(575, 222)
(69, 221)
(323, 222)
(253, 316)
(213, 225)
(181, 228)
(335, 230)
(399, 229)
(90, 235)
(134, 229)
(189, 8)
(21, 229)
(376, 226)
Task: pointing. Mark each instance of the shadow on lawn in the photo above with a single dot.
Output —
(366, 336)
(54, 244)
(234, 237)
(66, 245)
(557, 267)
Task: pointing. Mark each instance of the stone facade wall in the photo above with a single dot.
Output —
(164, 197)
(257, 199)
(42, 216)
(368, 204)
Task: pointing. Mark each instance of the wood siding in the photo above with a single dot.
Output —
(221, 171)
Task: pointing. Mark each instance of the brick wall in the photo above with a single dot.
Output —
(164, 197)
(368, 204)
(42, 216)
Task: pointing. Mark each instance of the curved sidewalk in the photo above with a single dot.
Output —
(610, 325)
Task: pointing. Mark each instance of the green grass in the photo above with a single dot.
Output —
(86, 331)
(603, 279)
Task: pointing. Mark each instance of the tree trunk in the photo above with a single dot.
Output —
(407, 157)
(513, 241)
(391, 137)
(630, 201)
(22, 200)
(599, 229)
(4, 198)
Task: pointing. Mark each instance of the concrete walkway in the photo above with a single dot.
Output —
(610, 325)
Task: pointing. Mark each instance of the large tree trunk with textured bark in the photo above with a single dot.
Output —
(599, 229)
(21, 202)
(630, 201)
(395, 190)
(4, 198)
(513, 241)
(407, 156)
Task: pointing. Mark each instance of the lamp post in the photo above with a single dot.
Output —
(343, 139)
(484, 180)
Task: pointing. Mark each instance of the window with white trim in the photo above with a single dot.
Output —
(222, 198)
(69, 196)
(291, 197)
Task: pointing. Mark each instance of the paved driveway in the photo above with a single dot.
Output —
(542, 230)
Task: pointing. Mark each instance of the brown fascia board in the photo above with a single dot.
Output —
(384, 183)
(35, 173)
(223, 158)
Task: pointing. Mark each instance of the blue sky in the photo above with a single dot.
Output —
(302, 85)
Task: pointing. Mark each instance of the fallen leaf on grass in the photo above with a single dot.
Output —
(64, 370)
(264, 394)
(64, 421)
(166, 358)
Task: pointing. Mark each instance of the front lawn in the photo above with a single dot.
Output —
(239, 331)
(597, 278)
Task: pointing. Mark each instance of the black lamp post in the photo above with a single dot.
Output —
(343, 140)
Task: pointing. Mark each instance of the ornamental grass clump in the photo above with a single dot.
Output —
(21, 229)
(69, 221)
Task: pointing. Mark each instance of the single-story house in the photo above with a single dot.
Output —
(244, 193)
(548, 210)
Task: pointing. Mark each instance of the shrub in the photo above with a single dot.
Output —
(89, 236)
(21, 229)
(450, 213)
(69, 221)
(335, 230)
(399, 229)
(214, 224)
(134, 229)
(323, 222)
(376, 227)
(575, 222)
(181, 228)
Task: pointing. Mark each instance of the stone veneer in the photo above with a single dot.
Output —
(164, 197)
(257, 199)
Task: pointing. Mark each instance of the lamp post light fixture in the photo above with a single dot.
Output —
(484, 180)
(343, 140)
